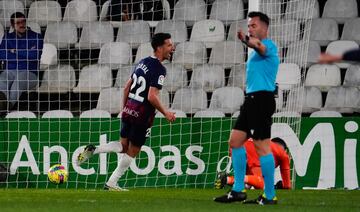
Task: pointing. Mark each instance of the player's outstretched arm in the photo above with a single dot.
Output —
(154, 99)
(351, 55)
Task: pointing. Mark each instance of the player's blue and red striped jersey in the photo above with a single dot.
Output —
(149, 72)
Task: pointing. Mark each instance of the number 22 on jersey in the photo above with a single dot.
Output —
(136, 94)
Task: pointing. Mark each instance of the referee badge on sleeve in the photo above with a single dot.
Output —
(161, 80)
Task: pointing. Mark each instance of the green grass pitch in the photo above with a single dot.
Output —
(149, 199)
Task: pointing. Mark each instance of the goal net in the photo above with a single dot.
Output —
(90, 49)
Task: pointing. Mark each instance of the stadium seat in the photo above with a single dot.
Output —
(324, 30)
(227, 11)
(237, 76)
(134, 33)
(352, 76)
(312, 99)
(123, 75)
(49, 56)
(95, 34)
(94, 113)
(164, 97)
(235, 27)
(227, 99)
(190, 11)
(63, 34)
(299, 10)
(178, 114)
(208, 77)
(236, 114)
(115, 54)
(45, 12)
(110, 99)
(340, 10)
(7, 8)
(189, 100)
(190, 54)
(209, 114)
(323, 76)
(104, 11)
(325, 114)
(339, 47)
(93, 78)
(176, 77)
(272, 8)
(208, 31)
(20, 114)
(351, 30)
(144, 50)
(80, 12)
(27, 3)
(288, 75)
(177, 29)
(294, 56)
(286, 114)
(342, 99)
(227, 54)
(58, 114)
(284, 31)
(58, 79)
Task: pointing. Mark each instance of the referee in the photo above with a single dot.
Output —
(255, 115)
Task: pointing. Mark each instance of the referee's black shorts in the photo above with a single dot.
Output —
(255, 115)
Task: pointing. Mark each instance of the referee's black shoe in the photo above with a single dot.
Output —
(232, 196)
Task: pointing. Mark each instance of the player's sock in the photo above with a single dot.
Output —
(239, 165)
(268, 169)
(123, 165)
(114, 146)
(255, 181)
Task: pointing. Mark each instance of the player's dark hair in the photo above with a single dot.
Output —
(16, 15)
(262, 16)
(280, 141)
(159, 39)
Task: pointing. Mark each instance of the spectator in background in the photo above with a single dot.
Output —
(20, 52)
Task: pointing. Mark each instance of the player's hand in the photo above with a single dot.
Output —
(327, 58)
(241, 35)
(170, 116)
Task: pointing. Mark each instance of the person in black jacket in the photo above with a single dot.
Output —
(351, 55)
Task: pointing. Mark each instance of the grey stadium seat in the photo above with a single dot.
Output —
(57, 114)
(94, 113)
(190, 54)
(325, 113)
(351, 30)
(227, 54)
(110, 99)
(177, 29)
(93, 78)
(134, 32)
(189, 100)
(115, 54)
(95, 34)
(209, 114)
(352, 76)
(45, 12)
(227, 99)
(234, 29)
(208, 31)
(340, 10)
(7, 8)
(20, 114)
(123, 75)
(190, 11)
(343, 99)
(208, 77)
(299, 10)
(323, 76)
(176, 77)
(288, 75)
(58, 79)
(80, 12)
(339, 47)
(63, 34)
(324, 30)
(227, 11)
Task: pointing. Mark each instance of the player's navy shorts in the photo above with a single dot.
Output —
(255, 115)
(136, 133)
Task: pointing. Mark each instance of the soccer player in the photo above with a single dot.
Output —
(351, 55)
(255, 114)
(253, 175)
(141, 98)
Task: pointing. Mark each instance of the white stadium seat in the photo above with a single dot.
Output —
(110, 99)
(178, 114)
(339, 47)
(80, 12)
(63, 34)
(236, 114)
(325, 114)
(123, 75)
(342, 99)
(190, 54)
(352, 76)
(104, 11)
(177, 29)
(190, 11)
(340, 10)
(115, 54)
(94, 113)
(286, 114)
(288, 75)
(49, 56)
(227, 54)
(351, 30)
(208, 31)
(288, 27)
(57, 114)
(323, 76)
(294, 56)
(93, 78)
(227, 99)
(164, 97)
(312, 99)
(58, 79)
(227, 11)
(45, 12)
(209, 114)
(324, 30)
(235, 27)
(208, 77)
(144, 50)
(189, 100)
(298, 10)
(134, 33)
(176, 77)
(7, 8)
(95, 34)
(20, 114)
(237, 76)
(272, 8)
